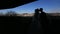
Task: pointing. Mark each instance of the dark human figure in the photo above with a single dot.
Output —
(35, 17)
(36, 13)
(43, 21)
(39, 23)
(33, 28)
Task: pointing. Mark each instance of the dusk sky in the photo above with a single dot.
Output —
(49, 6)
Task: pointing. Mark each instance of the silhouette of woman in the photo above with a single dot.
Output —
(36, 13)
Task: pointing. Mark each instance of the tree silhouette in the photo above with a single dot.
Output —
(11, 13)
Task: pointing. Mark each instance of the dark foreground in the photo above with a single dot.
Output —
(21, 25)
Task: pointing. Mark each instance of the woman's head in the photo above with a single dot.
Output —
(41, 9)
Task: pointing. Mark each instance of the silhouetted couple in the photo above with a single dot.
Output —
(39, 23)
(41, 16)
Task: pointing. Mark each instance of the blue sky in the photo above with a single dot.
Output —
(49, 6)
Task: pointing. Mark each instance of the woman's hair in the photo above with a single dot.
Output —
(41, 9)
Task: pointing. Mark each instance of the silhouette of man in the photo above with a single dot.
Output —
(43, 20)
